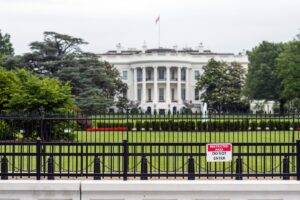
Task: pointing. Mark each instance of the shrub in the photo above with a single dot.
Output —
(165, 125)
(138, 125)
(146, 125)
(129, 126)
(155, 125)
(199, 125)
(253, 125)
(286, 125)
(271, 125)
(174, 126)
(5, 131)
(190, 125)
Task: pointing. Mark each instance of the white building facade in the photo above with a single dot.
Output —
(165, 79)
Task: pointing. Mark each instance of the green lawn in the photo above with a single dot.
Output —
(189, 137)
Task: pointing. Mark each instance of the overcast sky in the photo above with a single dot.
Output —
(222, 25)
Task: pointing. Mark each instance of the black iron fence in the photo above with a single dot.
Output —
(125, 146)
(62, 160)
(180, 128)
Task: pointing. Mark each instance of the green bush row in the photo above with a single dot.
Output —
(129, 125)
(190, 125)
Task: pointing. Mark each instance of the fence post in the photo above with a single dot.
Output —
(191, 168)
(38, 158)
(125, 159)
(51, 168)
(144, 168)
(285, 168)
(97, 168)
(239, 168)
(4, 168)
(298, 160)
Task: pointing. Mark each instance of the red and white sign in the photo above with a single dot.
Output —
(218, 152)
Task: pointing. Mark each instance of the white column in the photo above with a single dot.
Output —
(179, 85)
(168, 86)
(155, 86)
(135, 84)
(143, 84)
(187, 84)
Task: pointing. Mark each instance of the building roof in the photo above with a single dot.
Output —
(163, 50)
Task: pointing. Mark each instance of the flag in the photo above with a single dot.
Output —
(157, 19)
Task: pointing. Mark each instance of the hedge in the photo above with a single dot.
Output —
(211, 125)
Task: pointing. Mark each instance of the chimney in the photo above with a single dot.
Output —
(119, 47)
(200, 47)
(144, 47)
(175, 47)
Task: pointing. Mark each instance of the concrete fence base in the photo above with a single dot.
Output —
(149, 190)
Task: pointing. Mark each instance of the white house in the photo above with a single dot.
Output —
(164, 79)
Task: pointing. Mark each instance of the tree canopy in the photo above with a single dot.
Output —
(263, 82)
(95, 84)
(6, 47)
(221, 85)
(22, 91)
(289, 72)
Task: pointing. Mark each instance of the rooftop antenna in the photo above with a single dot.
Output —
(118, 47)
(144, 47)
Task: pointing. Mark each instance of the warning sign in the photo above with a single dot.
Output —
(218, 152)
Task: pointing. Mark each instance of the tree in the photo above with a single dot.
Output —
(221, 85)
(9, 86)
(36, 94)
(262, 80)
(6, 48)
(95, 84)
(53, 53)
(289, 71)
(22, 91)
(25, 93)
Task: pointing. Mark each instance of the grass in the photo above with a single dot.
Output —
(157, 164)
(189, 137)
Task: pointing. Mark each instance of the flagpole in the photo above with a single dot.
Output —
(159, 34)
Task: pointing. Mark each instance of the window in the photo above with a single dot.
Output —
(124, 75)
(183, 74)
(183, 93)
(173, 77)
(173, 94)
(139, 94)
(197, 74)
(161, 74)
(161, 94)
(197, 95)
(139, 75)
(149, 95)
(148, 75)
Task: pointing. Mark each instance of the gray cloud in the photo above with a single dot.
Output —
(222, 25)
